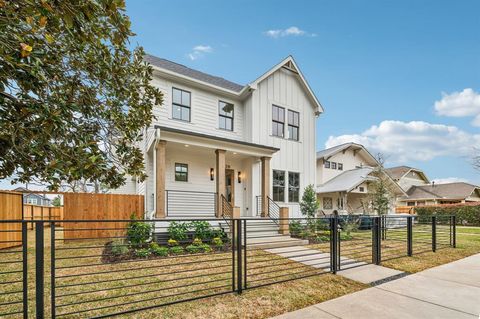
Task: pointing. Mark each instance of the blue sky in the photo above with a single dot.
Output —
(378, 67)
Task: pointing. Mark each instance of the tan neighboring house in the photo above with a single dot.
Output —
(420, 191)
(345, 174)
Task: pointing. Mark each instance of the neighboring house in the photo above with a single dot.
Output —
(420, 191)
(435, 194)
(407, 176)
(215, 145)
(33, 198)
(344, 178)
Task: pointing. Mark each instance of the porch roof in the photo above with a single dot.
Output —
(346, 181)
(252, 147)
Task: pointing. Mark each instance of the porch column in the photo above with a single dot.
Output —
(220, 179)
(160, 179)
(265, 185)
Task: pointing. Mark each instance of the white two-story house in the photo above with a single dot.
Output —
(345, 176)
(216, 145)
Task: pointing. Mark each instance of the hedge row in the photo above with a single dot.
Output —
(466, 215)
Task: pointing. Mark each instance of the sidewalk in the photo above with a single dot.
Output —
(448, 291)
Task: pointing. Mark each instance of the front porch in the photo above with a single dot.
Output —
(199, 176)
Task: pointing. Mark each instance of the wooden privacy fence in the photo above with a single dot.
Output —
(10, 209)
(37, 212)
(101, 207)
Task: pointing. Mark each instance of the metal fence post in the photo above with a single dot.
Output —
(25, 268)
(244, 254)
(434, 233)
(333, 245)
(52, 269)
(376, 240)
(39, 269)
(409, 236)
(454, 231)
(239, 256)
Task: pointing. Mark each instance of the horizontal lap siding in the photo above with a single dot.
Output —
(10, 209)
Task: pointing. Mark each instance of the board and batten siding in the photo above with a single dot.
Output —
(204, 116)
(283, 89)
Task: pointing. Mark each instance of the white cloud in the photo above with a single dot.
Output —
(460, 104)
(199, 51)
(291, 31)
(412, 141)
(449, 180)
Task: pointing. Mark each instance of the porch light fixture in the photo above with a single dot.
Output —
(239, 176)
(211, 174)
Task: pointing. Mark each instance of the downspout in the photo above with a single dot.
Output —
(157, 139)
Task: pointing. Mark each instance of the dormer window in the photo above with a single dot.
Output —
(181, 105)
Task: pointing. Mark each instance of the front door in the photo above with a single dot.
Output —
(230, 186)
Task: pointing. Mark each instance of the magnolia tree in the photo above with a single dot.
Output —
(74, 98)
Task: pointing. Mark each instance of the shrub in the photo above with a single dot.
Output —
(469, 215)
(172, 242)
(217, 242)
(296, 227)
(205, 248)
(197, 242)
(119, 248)
(193, 249)
(157, 250)
(202, 229)
(178, 230)
(142, 252)
(138, 233)
(176, 250)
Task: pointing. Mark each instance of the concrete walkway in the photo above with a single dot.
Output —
(352, 269)
(448, 291)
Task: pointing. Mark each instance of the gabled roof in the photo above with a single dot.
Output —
(400, 171)
(228, 86)
(191, 73)
(457, 191)
(290, 64)
(329, 152)
(26, 191)
(346, 181)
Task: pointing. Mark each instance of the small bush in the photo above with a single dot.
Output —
(205, 248)
(296, 227)
(202, 229)
(158, 251)
(217, 242)
(142, 252)
(172, 242)
(197, 242)
(138, 233)
(345, 236)
(178, 230)
(119, 248)
(176, 250)
(193, 249)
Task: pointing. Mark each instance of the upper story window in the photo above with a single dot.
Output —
(293, 187)
(278, 120)
(225, 114)
(278, 186)
(293, 125)
(334, 165)
(181, 172)
(340, 166)
(181, 104)
(326, 164)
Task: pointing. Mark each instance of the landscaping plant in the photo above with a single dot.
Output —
(119, 248)
(201, 229)
(178, 230)
(142, 252)
(176, 250)
(157, 250)
(309, 206)
(138, 233)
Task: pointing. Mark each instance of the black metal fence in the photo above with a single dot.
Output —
(95, 269)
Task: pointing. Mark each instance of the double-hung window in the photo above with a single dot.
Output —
(293, 187)
(278, 186)
(293, 125)
(181, 104)
(278, 121)
(181, 172)
(225, 114)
